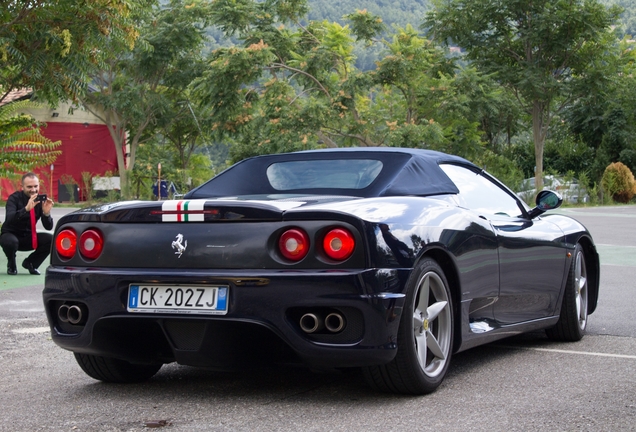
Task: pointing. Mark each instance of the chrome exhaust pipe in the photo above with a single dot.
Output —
(75, 314)
(310, 323)
(334, 322)
(62, 313)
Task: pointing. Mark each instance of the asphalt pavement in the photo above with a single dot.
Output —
(526, 383)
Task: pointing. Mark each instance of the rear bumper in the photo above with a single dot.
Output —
(261, 326)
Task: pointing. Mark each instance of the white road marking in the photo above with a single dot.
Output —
(570, 352)
(32, 330)
(585, 213)
(15, 302)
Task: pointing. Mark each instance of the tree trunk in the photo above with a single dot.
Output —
(119, 138)
(539, 129)
(117, 133)
(326, 140)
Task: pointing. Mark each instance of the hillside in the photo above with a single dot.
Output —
(628, 19)
(400, 12)
(404, 12)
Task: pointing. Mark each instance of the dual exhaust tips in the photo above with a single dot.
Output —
(71, 313)
(310, 322)
(333, 322)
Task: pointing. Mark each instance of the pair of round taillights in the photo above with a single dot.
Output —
(337, 244)
(91, 243)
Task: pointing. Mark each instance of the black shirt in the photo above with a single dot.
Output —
(18, 220)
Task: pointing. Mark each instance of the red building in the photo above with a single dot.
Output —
(87, 147)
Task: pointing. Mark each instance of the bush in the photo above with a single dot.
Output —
(69, 183)
(501, 167)
(618, 181)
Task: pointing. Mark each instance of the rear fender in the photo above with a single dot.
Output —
(593, 267)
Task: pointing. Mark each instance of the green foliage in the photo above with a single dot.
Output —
(22, 145)
(365, 26)
(139, 90)
(628, 157)
(197, 173)
(394, 12)
(480, 98)
(69, 183)
(565, 154)
(369, 20)
(313, 73)
(53, 46)
(501, 167)
(535, 47)
(618, 181)
(274, 94)
(585, 183)
(541, 50)
(226, 86)
(112, 195)
(604, 116)
(145, 173)
(628, 15)
(87, 186)
(150, 154)
(297, 88)
(428, 105)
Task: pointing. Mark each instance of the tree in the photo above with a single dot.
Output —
(22, 145)
(134, 89)
(294, 85)
(181, 129)
(604, 115)
(51, 46)
(538, 49)
(150, 154)
(286, 84)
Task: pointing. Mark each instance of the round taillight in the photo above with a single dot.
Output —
(294, 244)
(338, 244)
(66, 243)
(91, 244)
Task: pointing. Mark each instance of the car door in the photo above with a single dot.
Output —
(532, 255)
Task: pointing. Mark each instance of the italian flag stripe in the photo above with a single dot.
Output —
(182, 211)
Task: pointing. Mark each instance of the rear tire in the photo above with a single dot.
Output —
(425, 336)
(573, 317)
(113, 370)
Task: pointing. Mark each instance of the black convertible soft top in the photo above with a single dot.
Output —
(404, 171)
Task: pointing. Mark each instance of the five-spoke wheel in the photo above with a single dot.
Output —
(432, 325)
(425, 336)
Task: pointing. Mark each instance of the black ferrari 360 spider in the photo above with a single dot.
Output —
(389, 260)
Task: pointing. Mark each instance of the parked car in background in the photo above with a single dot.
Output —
(385, 259)
(571, 191)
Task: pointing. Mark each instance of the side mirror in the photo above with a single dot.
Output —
(546, 200)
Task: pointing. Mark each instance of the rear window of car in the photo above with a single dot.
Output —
(328, 173)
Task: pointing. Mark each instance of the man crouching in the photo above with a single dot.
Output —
(23, 210)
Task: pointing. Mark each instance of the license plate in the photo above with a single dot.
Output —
(178, 299)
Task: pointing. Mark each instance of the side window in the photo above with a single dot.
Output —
(479, 194)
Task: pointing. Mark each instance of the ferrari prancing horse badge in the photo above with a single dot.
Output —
(179, 245)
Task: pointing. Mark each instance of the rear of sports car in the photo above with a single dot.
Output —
(219, 284)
